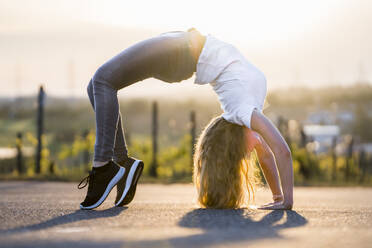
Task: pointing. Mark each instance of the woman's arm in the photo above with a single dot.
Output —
(267, 163)
(282, 154)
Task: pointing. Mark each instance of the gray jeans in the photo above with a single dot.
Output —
(110, 141)
(165, 57)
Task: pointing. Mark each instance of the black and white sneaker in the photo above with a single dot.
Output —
(101, 180)
(126, 188)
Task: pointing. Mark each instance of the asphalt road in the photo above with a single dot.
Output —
(38, 214)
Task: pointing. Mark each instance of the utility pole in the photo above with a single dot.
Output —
(349, 156)
(19, 153)
(334, 159)
(39, 124)
(154, 163)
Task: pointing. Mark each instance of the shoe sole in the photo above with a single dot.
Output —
(132, 190)
(133, 176)
(109, 187)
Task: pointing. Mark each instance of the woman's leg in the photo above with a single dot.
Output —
(146, 59)
(107, 113)
(105, 173)
(143, 60)
(138, 62)
(120, 149)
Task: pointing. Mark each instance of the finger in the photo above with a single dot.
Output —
(266, 207)
(255, 207)
(273, 206)
(270, 203)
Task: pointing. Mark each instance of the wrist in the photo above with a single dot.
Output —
(288, 203)
(278, 198)
(288, 198)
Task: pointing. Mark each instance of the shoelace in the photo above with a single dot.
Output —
(86, 179)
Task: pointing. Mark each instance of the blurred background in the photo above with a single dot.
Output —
(316, 55)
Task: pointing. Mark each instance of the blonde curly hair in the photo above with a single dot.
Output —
(224, 174)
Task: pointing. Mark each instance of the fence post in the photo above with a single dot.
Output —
(193, 135)
(362, 165)
(334, 159)
(303, 138)
(154, 165)
(86, 153)
(19, 153)
(51, 167)
(40, 117)
(349, 156)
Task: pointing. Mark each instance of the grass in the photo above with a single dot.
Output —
(9, 129)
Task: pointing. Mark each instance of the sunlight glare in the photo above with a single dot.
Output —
(259, 20)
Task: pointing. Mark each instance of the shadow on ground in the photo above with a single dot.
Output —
(76, 216)
(222, 227)
(61, 244)
(218, 227)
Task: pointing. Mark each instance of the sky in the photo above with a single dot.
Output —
(60, 44)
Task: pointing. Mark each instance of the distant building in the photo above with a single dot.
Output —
(321, 136)
(322, 117)
(366, 147)
(345, 116)
(343, 119)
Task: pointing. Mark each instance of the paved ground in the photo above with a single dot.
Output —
(34, 214)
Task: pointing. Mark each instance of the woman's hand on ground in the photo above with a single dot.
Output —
(276, 206)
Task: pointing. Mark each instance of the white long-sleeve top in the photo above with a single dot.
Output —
(239, 85)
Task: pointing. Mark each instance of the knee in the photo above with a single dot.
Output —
(103, 77)
(101, 74)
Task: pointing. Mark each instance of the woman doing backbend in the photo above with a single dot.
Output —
(223, 169)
